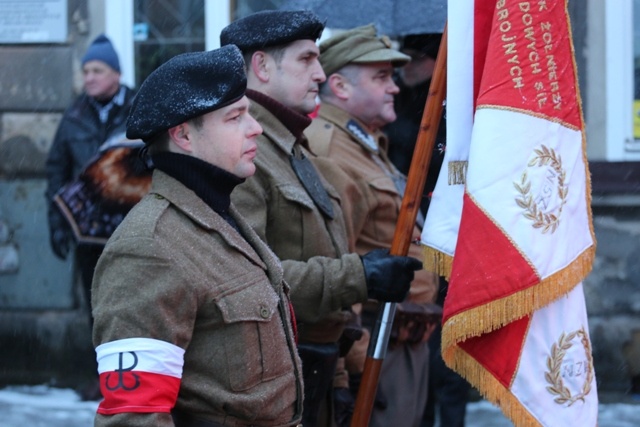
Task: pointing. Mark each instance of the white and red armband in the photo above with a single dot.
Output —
(139, 375)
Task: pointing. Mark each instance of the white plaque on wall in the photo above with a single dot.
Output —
(33, 21)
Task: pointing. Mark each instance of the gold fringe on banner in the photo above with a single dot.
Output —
(437, 261)
(497, 313)
(458, 172)
(488, 386)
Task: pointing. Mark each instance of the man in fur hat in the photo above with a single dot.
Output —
(193, 324)
(295, 210)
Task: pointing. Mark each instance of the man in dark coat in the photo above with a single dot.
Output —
(95, 116)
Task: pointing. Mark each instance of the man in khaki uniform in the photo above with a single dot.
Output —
(294, 209)
(193, 325)
(356, 101)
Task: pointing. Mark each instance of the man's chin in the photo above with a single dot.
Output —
(391, 116)
(305, 109)
(246, 171)
(97, 95)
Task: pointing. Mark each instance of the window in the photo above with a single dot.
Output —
(618, 97)
(163, 29)
(636, 70)
(247, 7)
(146, 33)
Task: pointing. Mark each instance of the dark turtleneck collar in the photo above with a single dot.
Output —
(212, 184)
(295, 122)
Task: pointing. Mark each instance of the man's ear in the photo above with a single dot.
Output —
(181, 137)
(340, 86)
(261, 65)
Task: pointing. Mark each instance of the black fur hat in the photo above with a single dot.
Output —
(184, 87)
(272, 28)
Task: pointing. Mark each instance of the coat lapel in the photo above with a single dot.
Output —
(200, 213)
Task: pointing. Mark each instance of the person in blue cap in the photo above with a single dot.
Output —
(95, 116)
(98, 113)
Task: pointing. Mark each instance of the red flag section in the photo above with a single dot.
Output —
(490, 267)
(529, 61)
(497, 360)
(514, 320)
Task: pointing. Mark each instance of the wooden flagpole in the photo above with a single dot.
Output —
(404, 231)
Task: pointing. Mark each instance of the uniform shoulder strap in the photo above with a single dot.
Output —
(319, 134)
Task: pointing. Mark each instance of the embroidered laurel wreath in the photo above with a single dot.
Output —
(547, 221)
(554, 365)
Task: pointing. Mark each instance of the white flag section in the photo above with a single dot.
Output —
(533, 186)
(558, 344)
(443, 218)
(514, 234)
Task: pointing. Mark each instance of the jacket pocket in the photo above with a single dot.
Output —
(383, 183)
(296, 194)
(256, 347)
(294, 215)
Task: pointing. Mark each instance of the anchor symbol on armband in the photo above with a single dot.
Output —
(121, 371)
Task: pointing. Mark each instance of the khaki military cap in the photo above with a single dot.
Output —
(360, 45)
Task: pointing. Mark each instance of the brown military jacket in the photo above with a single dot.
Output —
(324, 277)
(178, 284)
(354, 161)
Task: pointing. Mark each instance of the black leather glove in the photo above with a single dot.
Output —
(60, 234)
(388, 276)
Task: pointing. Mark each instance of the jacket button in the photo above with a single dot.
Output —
(264, 312)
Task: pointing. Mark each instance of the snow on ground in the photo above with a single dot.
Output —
(43, 406)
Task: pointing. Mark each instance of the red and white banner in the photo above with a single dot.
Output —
(520, 232)
(440, 231)
(139, 375)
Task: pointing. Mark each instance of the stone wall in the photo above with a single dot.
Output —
(44, 329)
(612, 293)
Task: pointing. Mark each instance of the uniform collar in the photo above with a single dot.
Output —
(210, 183)
(373, 142)
(295, 122)
(275, 131)
(164, 186)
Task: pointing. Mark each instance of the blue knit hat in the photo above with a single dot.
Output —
(101, 49)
